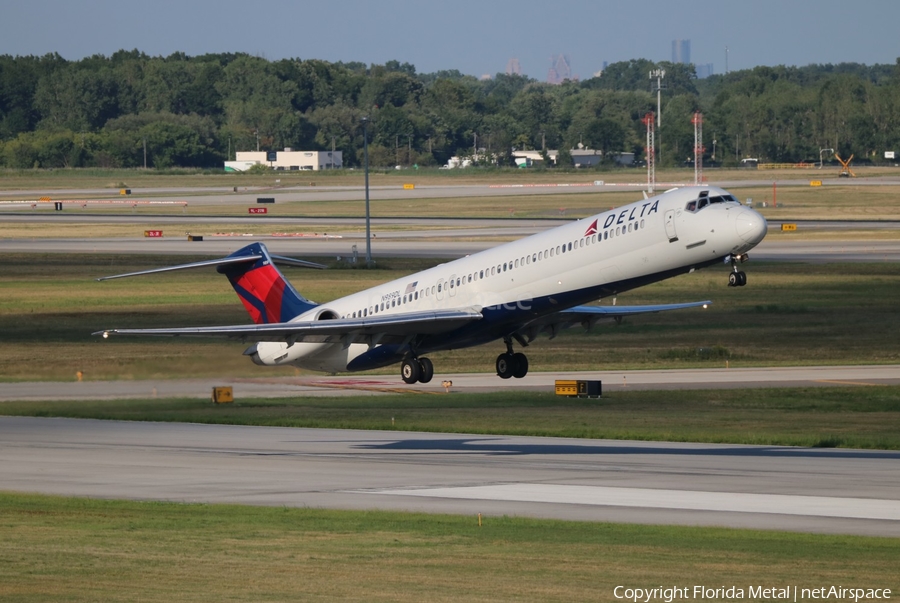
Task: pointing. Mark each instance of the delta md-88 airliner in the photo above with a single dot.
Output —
(513, 292)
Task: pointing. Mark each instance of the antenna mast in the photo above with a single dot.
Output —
(650, 150)
(697, 120)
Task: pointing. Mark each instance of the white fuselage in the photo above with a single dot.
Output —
(604, 254)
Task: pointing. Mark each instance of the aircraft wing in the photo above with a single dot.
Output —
(587, 316)
(383, 329)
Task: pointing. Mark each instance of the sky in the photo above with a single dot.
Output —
(476, 37)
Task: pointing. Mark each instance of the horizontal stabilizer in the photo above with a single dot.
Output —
(285, 261)
(230, 260)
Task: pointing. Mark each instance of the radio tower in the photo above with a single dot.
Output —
(697, 120)
(650, 150)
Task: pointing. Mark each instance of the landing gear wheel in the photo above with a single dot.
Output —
(426, 370)
(737, 279)
(410, 370)
(505, 366)
(520, 365)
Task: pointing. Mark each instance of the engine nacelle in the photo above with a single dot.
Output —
(325, 357)
(319, 356)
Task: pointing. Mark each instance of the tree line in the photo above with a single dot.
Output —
(128, 108)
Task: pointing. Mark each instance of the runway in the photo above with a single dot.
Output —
(763, 487)
(327, 385)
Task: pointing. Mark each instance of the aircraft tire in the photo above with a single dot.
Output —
(733, 279)
(426, 370)
(742, 278)
(505, 366)
(409, 370)
(520, 365)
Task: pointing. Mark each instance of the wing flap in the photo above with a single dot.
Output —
(587, 316)
(619, 311)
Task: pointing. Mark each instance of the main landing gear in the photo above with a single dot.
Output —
(414, 370)
(512, 364)
(737, 278)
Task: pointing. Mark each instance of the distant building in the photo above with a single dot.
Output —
(681, 51)
(586, 157)
(513, 67)
(704, 71)
(560, 70)
(287, 160)
(581, 158)
(530, 158)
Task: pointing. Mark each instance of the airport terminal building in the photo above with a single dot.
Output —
(286, 160)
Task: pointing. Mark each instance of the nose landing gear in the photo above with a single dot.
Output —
(737, 278)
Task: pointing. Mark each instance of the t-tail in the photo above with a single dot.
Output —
(267, 295)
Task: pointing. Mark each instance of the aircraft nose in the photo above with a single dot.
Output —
(751, 226)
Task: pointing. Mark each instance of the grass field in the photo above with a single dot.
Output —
(852, 417)
(62, 549)
(790, 314)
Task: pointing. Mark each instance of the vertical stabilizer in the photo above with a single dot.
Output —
(267, 295)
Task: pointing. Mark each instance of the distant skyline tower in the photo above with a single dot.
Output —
(681, 51)
(704, 71)
(513, 67)
(560, 69)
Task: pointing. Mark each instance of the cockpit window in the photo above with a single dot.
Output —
(698, 204)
